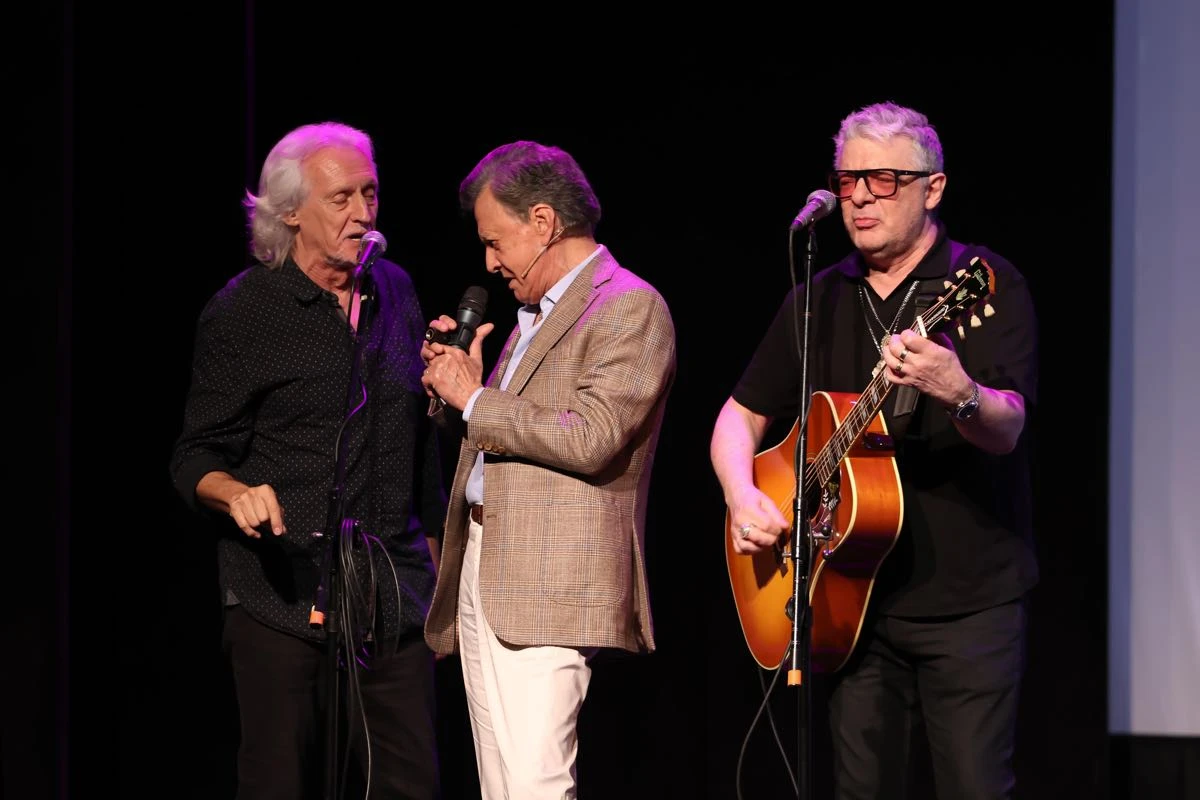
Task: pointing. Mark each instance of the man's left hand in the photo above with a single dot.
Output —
(930, 365)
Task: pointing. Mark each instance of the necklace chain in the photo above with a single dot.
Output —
(865, 301)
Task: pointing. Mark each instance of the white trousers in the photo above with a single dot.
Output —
(523, 701)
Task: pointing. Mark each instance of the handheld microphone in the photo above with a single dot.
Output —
(820, 204)
(372, 246)
(470, 313)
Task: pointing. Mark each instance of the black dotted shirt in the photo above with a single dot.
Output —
(269, 395)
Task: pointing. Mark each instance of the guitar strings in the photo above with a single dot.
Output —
(877, 391)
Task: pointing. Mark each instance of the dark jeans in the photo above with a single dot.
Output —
(281, 691)
(959, 675)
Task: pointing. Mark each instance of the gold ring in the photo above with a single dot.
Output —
(903, 354)
(899, 370)
(744, 531)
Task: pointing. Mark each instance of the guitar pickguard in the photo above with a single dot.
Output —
(823, 528)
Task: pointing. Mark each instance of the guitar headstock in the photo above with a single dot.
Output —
(971, 287)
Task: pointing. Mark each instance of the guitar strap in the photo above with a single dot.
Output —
(927, 294)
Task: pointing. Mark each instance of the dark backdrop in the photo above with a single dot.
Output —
(701, 149)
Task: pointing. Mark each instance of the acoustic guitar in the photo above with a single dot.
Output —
(852, 489)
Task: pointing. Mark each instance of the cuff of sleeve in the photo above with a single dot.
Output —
(188, 475)
(471, 403)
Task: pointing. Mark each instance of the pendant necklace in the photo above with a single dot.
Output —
(865, 302)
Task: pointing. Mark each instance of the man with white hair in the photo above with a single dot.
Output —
(306, 443)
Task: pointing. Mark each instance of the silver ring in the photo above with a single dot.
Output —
(744, 531)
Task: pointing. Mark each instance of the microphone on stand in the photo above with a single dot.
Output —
(370, 248)
(820, 204)
(471, 309)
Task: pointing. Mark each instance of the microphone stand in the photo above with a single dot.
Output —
(798, 606)
(337, 526)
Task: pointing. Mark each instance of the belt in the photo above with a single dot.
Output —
(477, 513)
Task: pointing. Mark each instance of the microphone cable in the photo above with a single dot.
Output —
(765, 706)
(356, 617)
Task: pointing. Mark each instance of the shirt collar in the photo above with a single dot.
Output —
(555, 292)
(298, 283)
(935, 263)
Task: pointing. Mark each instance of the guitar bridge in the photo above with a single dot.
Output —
(781, 558)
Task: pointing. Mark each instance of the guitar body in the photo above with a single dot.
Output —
(864, 524)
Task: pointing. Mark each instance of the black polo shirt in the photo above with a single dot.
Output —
(966, 541)
(270, 399)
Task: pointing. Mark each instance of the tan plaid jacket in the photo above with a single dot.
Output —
(568, 452)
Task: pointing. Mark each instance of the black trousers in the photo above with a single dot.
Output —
(960, 676)
(281, 692)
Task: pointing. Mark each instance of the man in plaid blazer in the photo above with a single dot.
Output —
(543, 557)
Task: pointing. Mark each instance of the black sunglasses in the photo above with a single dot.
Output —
(880, 182)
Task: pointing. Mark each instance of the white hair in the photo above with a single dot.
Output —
(282, 187)
(884, 121)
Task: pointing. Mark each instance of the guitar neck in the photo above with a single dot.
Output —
(849, 431)
(972, 287)
(865, 409)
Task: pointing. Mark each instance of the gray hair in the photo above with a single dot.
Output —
(884, 121)
(282, 187)
(523, 174)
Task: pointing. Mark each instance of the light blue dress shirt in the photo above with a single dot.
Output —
(528, 322)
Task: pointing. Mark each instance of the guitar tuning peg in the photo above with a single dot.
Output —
(976, 321)
(988, 310)
(948, 285)
(960, 273)
(961, 333)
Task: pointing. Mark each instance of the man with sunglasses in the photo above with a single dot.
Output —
(941, 646)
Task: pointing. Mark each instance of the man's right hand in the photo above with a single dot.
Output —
(255, 509)
(755, 521)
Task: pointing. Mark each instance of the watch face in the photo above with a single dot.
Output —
(968, 407)
(967, 410)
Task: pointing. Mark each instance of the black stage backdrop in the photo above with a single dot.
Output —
(701, 149)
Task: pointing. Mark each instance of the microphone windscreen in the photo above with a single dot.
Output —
(474, 298)
(374, 239)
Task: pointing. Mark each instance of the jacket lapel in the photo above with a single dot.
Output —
(567, 311)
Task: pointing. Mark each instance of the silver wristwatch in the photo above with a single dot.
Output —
(967, 408)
